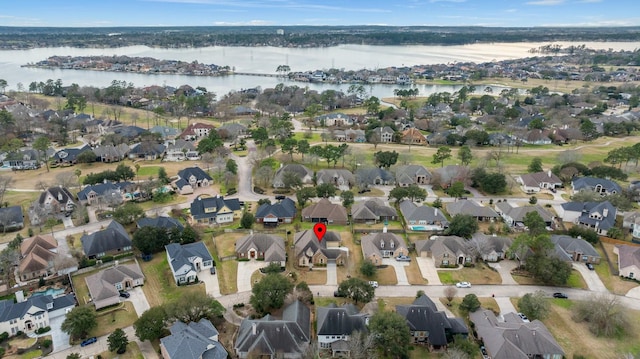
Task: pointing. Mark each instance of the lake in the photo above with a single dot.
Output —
(266, 60)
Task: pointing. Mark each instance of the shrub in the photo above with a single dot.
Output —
(43, 330)
(238, 305)
(47, 343)
(4, 336)
(106, 259)
(258, 190)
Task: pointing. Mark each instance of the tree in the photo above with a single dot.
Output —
(193, 306)
(79, 322)
(386, 159)
(534, 223)
(465, 156)
(450, 293)
(289, 146)
(391, 334)
(398, 194)
(291, 179)
(360, 345)
(247, 220)
(368, 269)
(304, 194)
(152, 324)
(125, 173)
(162, 176)
(548, 269)
(232, 166)
(86, 157)
(455, 353)
(535, 166)
(5, 183)
(128, 213)
(441, 155)
(42, 144)
(534, 305)
(456, 190)
(150, 240)
(325, 190)
(303, 147)
(470, 303)
(260, 135)
(269, 293)
(357, 289)
(416, 193)
(347, 198)
(604, 315)
(118, 341)
(462, 225)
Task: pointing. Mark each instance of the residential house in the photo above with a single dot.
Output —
(11, 218)
(413, 136)
(492, 248)
(534, 182)
(233, 131)
(56, 200)
(187, 260)
(28, 315)
(446, 251)
(366, 177)
(376, 246)
(599, 216)
(109, 241)
(336, 325)
(631, 221)
(628, 260)
(422, 218)
(110, 194)
(105, 286)
(429, 326)
(22, 160)
(602, 186)
(37, 256)
(111, 153)
(191, 178)
(334, 119)
(69, 156)
(342, 179)
(196, 131)
(513, 215)
(148, 151)
(262, 246)
(272, 338)
(273, 214)
(408, 175)
(180, 150)
(129, 132)
(215, 210)
(514, 338)
(448, 175)
(168, 223)
(309, 251)
(325, 212)
(166, 133)
(473, 209)
(575, 249)
(357, 136)
(302, 172)
(373, 211)
(382, 135)
(536, 137)
(195, 340)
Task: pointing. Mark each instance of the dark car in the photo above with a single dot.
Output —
(590, 266)
(124, 294)
(338, 294)
(280, 197)
(560, 295)
(364, 190)
(88, 341)
(212, 270)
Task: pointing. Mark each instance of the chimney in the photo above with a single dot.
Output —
(19, 296)
(605, 212)
(254, 328)
(435, 211)
(384, 229)
(549, 173)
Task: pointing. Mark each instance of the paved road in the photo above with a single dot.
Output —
(245, 185)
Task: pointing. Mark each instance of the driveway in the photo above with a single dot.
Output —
(428, 270)
(245, 270)
(332, 273)
(139, 300)
(504, 268)
(634, 293)
(68, 223)
(505, 305)
(401, 275)
(211, 284)
(591, 277)
(60, 338)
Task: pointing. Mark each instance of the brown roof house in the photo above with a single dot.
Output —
(373, 211)
(309, 251)
(325, 212)
(628, 260)
(491, 248)
(376, 246)
(534, 182)
(261, 246)
(105, 286)
(300, 171)
(38, 254)
(473, 209)
(446, 251)
(342, 179)
(413, 136)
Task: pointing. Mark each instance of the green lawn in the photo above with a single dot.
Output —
(148, 171)
(160, 287)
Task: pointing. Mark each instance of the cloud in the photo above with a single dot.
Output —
(277, 4)
(546, 2)
(244, 23)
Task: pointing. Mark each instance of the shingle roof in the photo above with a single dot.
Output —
(372, 209)
(199, 205)
(102, 284)
(108, 239)
(422, 315)
(589, 209)
(196, 172)
(342, 320)
(193, 341)
(591, 182)
(412, 212)
(306, 241)
(328, 175)
(10, 310)
(9, 215)
(283, 209)
(101, 189)
(61, 194)
(406, 174)
(161, 221)
(271, 245)
(471, 208)
(369, 176)
(572, 245)
(444, 244)
(372, 243)
(325, 209)
(179, 256)
(628, 256)
(535, 179)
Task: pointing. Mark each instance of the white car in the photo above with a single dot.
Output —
(373, 283)
(463, 285)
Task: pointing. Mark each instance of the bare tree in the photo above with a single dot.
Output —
(66, 179)
(8, 259)
(264, 175)
(603, 314)
(450, 293)
(5, 182)
(455, 353)
(361, 346)
(208, 159)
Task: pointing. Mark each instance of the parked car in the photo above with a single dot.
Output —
(560, 295)
(280, 197)
(403, 259)
(523, 317)
(373, 283)
(590, 266)
(338, 294)
(88, 341)
(124, 294)
(463, 285)
(212, 270)
(483, 350)
(364, 190)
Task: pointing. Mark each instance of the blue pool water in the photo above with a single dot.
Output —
(423, 228)
(51, 291)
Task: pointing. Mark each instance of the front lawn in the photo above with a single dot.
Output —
(160, 286)
(112, 318)
(480, 274)
(413, 273)
(133, 352)
(386, 275)
(575, 280)
(613, 283)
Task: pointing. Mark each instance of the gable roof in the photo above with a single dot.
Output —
(179, 256)
(160, 221)
(374, 243)
(209, 207)
(344, 320)
(422, 315)
(444, 244)
(283, 209)
(45, 241)
(412, 212)
(570, 244)
(196, 172)
(102, 285)
(10, 310)
(70, 154)
(406, 174)
(328, 175)
(193, 341)
(536, 179)
(307, 243)
(298, 169)
(589, 210)
(10, 215)
(370, 175)
(325, 209)
(61, 194)
(518, 213)
(108, 239)
(628, 256)
(470, 208)
(102, 188)
(372, 209)
(271, 245)
(591, 182)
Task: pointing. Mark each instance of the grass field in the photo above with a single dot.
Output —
(111, 319)
(133, 352)
(480, 274)
(160, 287)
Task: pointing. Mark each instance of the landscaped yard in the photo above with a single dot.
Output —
(487, 303)
(224, 244)
(480, 274)
(386, 276)
(160, 286)
(613, 283)
(133, 352)
(575, 280)
(112, 318)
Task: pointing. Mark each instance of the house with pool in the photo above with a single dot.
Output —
(423, 218)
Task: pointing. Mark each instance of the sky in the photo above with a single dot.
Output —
(490, 13)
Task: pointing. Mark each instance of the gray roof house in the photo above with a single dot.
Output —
(305, 174)
(27, 315)
(180, 150)
(422, 218)
(191, 178)
(446, 250)
(599, 185)
(473, 209)
(599, 216)
(165, 131)
(111, 153)
(337, 324)
(429, 326)
(195, 340)
(376, 246)
(11, 218)
(309, 251)
(269, 337)
(373, 176)
(267, 247)
(534, 182)
(109, 193)
(628, 260)
(146, 151)
(325, 212)
(575, 249)
(169, 223)
(491, 248)
(211, 210)
(105, 286)
(342, 179)
(412, 174)
(187, 260)
(69, 155)
(514, 215)
(112, 240)
(276, 213)
(382, 135)
(373, 211)
(513, 338)
(56, 200)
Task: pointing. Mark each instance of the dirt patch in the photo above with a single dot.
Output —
(312, 277)
(414, 276)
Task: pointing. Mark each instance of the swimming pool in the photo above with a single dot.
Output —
(54, 292)
(424, 228)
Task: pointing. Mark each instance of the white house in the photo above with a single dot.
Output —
(187, 260)
(28, 315)
(628, 260)
(534, 182)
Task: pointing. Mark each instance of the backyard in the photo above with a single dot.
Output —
(160, 286)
